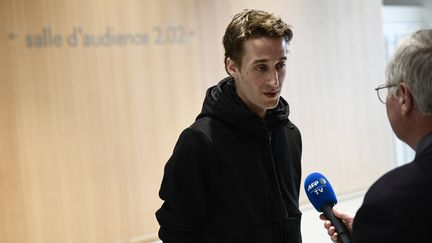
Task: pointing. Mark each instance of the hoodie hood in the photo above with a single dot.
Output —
(223, 103)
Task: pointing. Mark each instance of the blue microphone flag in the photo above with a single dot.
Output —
(319, 191)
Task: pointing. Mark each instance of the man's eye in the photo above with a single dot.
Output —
(280, 65)
(261, 68)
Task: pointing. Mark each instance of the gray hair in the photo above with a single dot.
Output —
(412, 64)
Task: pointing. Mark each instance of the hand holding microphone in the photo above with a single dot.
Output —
(331, 231)
(321, 195)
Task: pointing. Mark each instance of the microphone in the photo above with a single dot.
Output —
(321, 195)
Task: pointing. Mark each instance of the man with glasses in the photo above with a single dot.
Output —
(395, 208)
(382, 91)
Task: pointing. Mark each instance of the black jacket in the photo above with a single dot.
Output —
(396, 207)
(233, 177)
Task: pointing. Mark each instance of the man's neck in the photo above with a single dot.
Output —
(421, 127)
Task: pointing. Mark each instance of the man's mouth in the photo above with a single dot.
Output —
(271, 94)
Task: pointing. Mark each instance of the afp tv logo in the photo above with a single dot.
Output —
(317, 186)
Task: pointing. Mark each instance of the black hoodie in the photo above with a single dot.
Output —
(233, 177)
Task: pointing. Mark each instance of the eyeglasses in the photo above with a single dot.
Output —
(382, 91)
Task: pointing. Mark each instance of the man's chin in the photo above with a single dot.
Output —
(273, 104)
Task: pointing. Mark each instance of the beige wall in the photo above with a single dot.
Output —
(87, 129)
(337, 61)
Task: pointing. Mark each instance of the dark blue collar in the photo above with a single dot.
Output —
(424, 143)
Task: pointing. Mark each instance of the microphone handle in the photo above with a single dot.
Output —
(341, 229)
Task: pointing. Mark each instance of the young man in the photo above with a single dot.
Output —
(395, 209)
(234, 175)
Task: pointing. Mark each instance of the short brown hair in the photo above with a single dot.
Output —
(251, 24)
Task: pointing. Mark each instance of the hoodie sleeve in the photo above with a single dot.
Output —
(184, 189)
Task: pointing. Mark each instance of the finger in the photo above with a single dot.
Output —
(327, 224)
(340, 214)
(322, 217)
(337, 213)
(334, 237)
(331, 231)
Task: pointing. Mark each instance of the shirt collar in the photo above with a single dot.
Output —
(424, 143)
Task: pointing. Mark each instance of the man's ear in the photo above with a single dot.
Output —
(231, 67)
(405, 99)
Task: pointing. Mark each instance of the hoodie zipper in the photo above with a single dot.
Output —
(276, 177)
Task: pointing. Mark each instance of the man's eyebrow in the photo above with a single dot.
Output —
(284, 58)
(259, 61)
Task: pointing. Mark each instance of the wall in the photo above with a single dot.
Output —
(93, 95)
(427, 5)
(337, 61)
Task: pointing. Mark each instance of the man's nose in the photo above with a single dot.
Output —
(274, 78)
